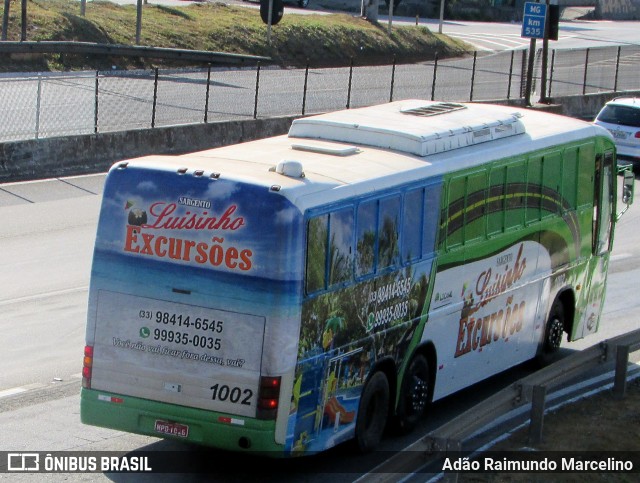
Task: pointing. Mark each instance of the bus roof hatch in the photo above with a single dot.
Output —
(414, 127)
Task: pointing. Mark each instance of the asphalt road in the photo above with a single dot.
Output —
(45, 253)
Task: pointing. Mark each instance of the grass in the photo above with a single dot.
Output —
(323, 40)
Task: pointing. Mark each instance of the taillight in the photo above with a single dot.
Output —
(637, 135)
(87, 364)
(268, 397)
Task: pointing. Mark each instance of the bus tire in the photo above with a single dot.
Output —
(414, 394)
(372, 412)
(553, 333)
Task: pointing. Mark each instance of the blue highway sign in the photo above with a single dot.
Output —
(533, 20)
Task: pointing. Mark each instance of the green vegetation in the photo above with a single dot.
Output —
(325, 40)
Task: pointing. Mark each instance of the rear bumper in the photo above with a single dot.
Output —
(629, 158)
(629, 153)
(218, 430)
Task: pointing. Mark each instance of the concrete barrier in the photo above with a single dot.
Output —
(587, 107)
(74, 155)
(85, 154)
(617, 9)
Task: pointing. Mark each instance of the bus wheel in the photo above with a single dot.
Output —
(414, 394)
(552, 335)
(372, 412)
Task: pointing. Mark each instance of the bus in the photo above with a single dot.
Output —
(285, 295)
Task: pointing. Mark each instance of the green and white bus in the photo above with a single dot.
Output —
(289, 294)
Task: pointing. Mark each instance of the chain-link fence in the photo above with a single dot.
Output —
(49, 105)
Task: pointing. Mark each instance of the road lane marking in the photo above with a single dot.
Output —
(12, 392)
(620, 256)
(16, 195)
(29, 298)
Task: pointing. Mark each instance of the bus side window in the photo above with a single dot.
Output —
(552, 176)
(388, 231)
(496, 204)
(317, 241)
(340, 246)
(570, 178)
(366, 230)
(455, 212)
(412, 211)
(514, 215)
(534, 190)
(475, 206)
(586, 170)
(431, 218)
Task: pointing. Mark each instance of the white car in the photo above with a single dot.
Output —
(621, 117)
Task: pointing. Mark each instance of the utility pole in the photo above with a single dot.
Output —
(545, 56)
(532, 54)
(23, 35)
(5, 19)
(551, 32)
(138, 21)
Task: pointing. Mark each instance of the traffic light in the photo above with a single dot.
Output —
(277, 11)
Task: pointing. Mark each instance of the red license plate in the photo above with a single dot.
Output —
(172, 429)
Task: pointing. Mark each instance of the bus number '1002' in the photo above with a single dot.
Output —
(232, 394)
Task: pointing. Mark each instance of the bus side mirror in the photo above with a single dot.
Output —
(627, 187)
(627, 191)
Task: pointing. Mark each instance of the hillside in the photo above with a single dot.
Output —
(325, 40)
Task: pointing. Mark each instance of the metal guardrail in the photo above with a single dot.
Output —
(200, 56)
(532, 390)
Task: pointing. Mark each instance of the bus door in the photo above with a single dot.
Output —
(603, 217)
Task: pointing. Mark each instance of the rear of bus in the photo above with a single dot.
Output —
(194, 303)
